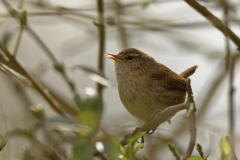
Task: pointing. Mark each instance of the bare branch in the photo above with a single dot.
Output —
(215, 21)
(158, 118)
(192, 121)
(229, 67)
(101, 40)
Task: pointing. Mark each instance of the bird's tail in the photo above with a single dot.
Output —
(188, 72)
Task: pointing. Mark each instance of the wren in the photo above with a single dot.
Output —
(144, 85)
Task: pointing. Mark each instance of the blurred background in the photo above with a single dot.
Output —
(50, 33)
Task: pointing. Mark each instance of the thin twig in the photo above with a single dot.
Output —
(4, 120)
(61, 13)
(35, 84)
(192, 122)
(121, 28)
(42, 44)
(41, 89)
(18, 41)
(215, 21)
(53, 13)
(101, 41)
(229, 65)
(45, 48)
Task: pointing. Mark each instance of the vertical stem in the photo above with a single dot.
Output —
(121, 28)
(20, 4)
(192, 121)
(18, 41)
(230, 67)
(101, 41)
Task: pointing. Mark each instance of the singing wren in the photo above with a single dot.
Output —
(144, 85)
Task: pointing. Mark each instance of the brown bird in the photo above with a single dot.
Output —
(144, 85)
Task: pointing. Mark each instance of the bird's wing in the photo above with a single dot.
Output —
(170, 80)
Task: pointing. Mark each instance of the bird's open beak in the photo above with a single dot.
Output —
(113, 57)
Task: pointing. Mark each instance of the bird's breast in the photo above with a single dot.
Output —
(135, 96)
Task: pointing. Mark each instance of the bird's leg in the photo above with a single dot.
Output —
(135, 132)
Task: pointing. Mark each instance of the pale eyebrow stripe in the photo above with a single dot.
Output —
(135, 54)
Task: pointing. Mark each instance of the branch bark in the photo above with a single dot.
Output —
(101, 41)
(158, 118)
(216, 22)
(192, 121)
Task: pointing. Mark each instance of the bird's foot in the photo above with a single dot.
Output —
(135, 132)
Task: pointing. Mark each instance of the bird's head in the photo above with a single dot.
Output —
(131, 59)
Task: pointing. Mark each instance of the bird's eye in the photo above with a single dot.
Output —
(129, 57)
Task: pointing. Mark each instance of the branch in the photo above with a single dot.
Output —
(18, 41)
(215, 21)
(229, 67)
(101, 40)
(121, 28)
(192, 121)
(158, 118)
(36, 85)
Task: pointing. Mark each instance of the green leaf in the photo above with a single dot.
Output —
(91, 73)
(3, 143)
(91, 112)
(134, 139)
(173, 150)
(144, 5)
(141, 145)
(199, 149)
(59, 67)
(23, 18)
(130, 149)
(195, 158)
(225, 149)
(83, 149)
(111, 147)
(7, 36)
(38, 111)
